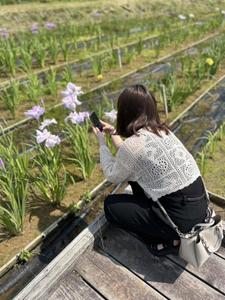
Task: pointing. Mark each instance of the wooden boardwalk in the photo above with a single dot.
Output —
(104, 262)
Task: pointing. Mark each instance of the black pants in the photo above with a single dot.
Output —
(135, 213)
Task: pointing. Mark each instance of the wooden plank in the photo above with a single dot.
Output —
(52, 272)
(111, 279)
(221, 251)
(71, 287)
(212, 271)
(163, 274)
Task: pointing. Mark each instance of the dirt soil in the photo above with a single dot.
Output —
(42, 215)
(215, 169)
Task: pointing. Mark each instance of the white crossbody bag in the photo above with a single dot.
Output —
(204, 239)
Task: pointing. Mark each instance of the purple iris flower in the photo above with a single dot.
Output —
(77, 118)
(52, 141)
(85, 114)
(50, 26)
(4, 33)
(48, 138)
(70, 95)
(69, 103)
(46, 123)
(41, 136)
(35, 112)
(35, 28)
(72, 90)
(2, 165)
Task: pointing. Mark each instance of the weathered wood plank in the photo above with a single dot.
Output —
(221, 251)
(163, 274)
(51, 274)
(212, 271)
(111, 279)
(71, 287)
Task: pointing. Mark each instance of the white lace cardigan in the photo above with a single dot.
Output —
(160, 165)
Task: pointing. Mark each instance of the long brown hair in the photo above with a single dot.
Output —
(137, 108)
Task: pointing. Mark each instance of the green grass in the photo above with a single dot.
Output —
(214, 164)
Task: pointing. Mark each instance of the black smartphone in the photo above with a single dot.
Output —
(95, 121)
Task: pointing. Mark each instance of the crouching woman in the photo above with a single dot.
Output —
(157, 166)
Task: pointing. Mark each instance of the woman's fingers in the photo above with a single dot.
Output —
(95, 130)
(108, 128)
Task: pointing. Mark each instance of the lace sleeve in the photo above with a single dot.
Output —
(115, 168)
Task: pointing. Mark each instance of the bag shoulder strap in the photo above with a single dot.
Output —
(175, 227)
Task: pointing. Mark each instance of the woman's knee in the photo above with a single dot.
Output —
(108, 207)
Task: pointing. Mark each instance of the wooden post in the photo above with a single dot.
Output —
(119, 57)
(164, 99)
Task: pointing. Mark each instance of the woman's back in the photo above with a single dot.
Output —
(161, 165)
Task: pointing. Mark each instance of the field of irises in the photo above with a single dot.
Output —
(53, 74)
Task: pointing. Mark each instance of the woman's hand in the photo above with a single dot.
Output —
(107, 128)
(99, 135)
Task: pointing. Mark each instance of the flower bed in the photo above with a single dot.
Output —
(57, 170)
(24, 15)
(184, 89)
(49, 45)
(14, 97)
